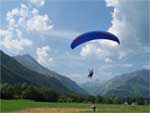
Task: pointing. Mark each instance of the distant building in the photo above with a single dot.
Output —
(133, 104)
(69, 100)
(126, 103)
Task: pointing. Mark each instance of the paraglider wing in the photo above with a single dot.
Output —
(93, 36)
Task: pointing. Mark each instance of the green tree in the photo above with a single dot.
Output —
(7, 91)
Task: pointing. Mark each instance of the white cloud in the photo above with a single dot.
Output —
(147, 66)
(4, 33)
(108, 60)
(38, 2)
(43, 55)
(39, 23)
(129, 24)
(63, 34)
(111, 2)
(122, 54)
(111, 66)
(126, 65)
(108, 43)
(91, 50)
(13, 44)
(15, 16)
(13, 41)
(28, 19)
(21, 21)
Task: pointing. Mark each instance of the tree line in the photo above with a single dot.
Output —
(28, 91)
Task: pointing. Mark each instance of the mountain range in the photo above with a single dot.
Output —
(32, 64)
(126, 85)
(24, 68)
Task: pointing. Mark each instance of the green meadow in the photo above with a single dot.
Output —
(20, 105)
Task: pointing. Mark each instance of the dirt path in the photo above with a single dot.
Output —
(52, 110)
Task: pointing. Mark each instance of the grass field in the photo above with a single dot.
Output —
(27, 106)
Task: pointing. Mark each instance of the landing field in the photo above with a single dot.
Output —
(27, 106)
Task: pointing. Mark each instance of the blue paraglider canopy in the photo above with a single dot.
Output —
(93, 36)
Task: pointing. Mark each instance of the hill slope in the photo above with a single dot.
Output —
(130, 84)
(14, 72)
(32, 64)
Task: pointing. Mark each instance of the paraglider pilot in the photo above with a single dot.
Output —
(91, 72)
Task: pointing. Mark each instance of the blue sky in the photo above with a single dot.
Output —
(45, 28)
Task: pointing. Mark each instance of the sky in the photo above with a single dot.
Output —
(45, 29)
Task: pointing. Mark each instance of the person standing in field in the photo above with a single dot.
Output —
(93, 107)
